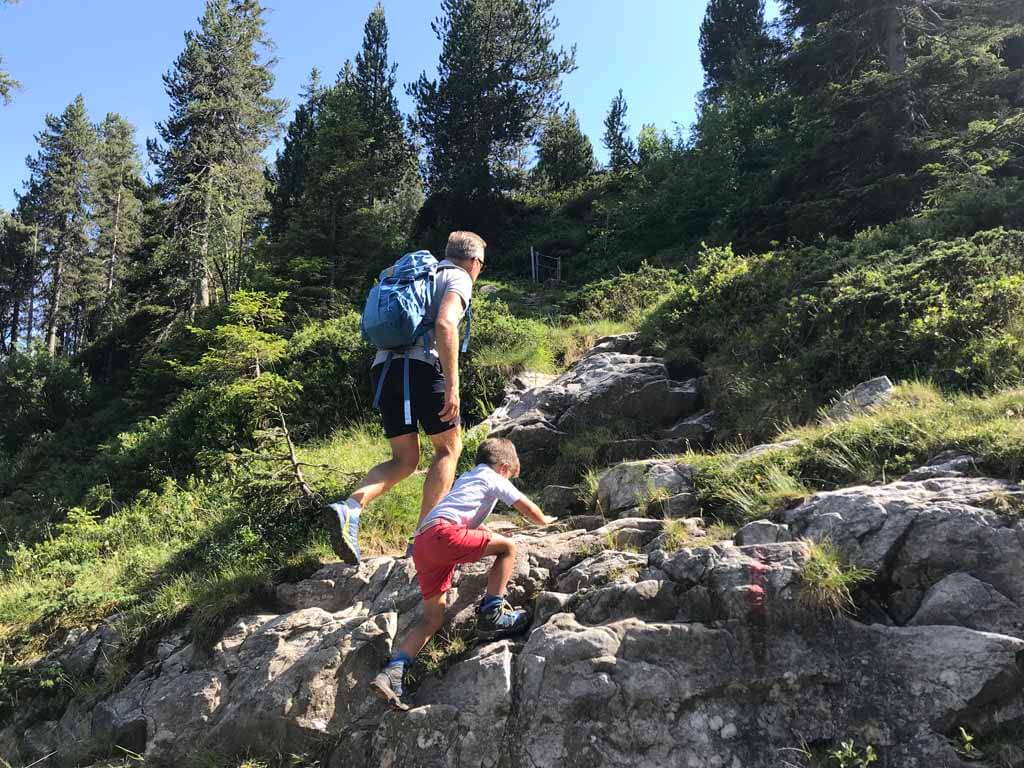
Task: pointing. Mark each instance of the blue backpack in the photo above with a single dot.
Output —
(396, 313)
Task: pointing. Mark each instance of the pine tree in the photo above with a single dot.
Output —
(117, 207)
(390, 152)
(287, 177)
(210, 164)
(498, 75)
(564, 153)
(621, 150)
(59, 192)
(880, 86)
(732, 36)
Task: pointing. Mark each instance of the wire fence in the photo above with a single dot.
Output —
(545, 269)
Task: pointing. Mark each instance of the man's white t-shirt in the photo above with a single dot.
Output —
(472, 499)
(455, 280)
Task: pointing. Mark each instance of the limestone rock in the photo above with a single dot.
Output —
(561, 501)
(609, 385)
(633, 483)
(862, 398)
(761, 532)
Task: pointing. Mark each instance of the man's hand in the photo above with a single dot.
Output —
(548, 520)
(452, 405)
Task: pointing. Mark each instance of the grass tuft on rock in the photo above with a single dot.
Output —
(828, 581)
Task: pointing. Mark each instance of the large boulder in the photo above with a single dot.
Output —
(635, 484)
(610, 386)
(915, 535)
(863, 398)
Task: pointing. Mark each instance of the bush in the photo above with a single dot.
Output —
(332, 363)
(39, 394)
(782, 333)
(628, 297)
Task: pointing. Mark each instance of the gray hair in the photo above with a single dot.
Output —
(463, 246)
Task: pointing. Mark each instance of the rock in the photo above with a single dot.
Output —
(757, 450)
(561, 501)
(914, 534)
(634, 483)
(862, 399)
(946, 464)
(606, 387)
(964, 601)
(637, 656)
(761, 532)
(698, 429)
(630, 450)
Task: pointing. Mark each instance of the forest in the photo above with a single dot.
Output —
(182, 375)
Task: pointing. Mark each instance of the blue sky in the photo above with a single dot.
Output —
(114, 52)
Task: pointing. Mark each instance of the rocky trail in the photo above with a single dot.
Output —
(648, 647)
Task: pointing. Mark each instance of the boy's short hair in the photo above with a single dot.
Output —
(497, 450)
(463, 246)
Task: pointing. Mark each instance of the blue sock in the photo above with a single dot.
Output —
(489, 601)
(398, 659)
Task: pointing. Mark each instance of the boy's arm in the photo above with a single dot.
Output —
(532, 512)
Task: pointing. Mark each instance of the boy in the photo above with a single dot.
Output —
(453, 533)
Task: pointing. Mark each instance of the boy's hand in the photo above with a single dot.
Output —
(548, 520)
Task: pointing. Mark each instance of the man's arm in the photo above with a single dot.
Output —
(532, 512)
(446, 334)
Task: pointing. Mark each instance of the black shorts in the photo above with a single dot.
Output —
(426, 397)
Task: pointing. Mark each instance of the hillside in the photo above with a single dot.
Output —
(776, 401)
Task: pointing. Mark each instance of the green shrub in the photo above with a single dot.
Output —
(628, 297)
(39, 394)
(782, 333)
(332, 363)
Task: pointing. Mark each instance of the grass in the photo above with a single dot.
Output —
(828, 581)
(204, 551)
(915, 425)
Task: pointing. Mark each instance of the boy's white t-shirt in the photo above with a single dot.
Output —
(472, 499)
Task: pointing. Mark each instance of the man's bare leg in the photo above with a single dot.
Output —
(441, 475)
(342, 518)
(405, 457)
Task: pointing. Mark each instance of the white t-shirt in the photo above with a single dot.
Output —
(472, 499)
(452, 280)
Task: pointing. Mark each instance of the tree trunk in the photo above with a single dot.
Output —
(54, 308)
(32, 289)
(15, 322)
(113, 249)
(202, 272)
(895, 39)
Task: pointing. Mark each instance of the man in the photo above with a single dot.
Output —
(433, 395)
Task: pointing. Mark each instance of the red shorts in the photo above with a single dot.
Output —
(437, 551)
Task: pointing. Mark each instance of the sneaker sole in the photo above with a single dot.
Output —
(339, 542)
(389, 696)
(502, 634)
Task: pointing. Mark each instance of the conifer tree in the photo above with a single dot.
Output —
(564, 153)
(287, 176)
(390, 152)
(621, 150)
(210, 162)
(117, 207)
(59, 191)
(498, 75)
(732, 35)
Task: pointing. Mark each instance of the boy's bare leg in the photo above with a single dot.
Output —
(424, 629)
(441, 475)
(405, 457)
(505, 562)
